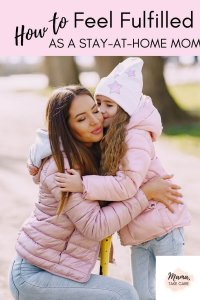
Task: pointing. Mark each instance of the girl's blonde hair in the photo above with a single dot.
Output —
(113, 144)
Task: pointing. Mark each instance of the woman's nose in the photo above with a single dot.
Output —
(94, 120)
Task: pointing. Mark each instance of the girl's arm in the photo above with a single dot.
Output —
(118, 187)
(127, 180)
(39, 150)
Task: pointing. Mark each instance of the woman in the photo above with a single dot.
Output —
(59, 243)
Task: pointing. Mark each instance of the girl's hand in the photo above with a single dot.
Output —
(32, 170)
(161, 190)
(70, 182)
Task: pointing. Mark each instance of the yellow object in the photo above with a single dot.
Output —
(105, 255)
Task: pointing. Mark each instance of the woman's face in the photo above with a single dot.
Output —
(85, 120)
(108, 109)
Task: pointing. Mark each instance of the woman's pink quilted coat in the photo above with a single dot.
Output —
(68, 245)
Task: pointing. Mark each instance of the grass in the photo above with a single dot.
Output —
(185, 137)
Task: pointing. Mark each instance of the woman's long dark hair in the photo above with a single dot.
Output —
(61, 138)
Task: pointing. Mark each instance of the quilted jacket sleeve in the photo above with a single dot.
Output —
(40, 149)
(96, 222)
(89, 218)
(127, 181)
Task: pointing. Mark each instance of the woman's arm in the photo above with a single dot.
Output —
(95, 222)
(89, 218)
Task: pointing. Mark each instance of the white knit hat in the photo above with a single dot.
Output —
(124, 84)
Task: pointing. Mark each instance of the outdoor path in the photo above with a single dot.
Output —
(20, 114)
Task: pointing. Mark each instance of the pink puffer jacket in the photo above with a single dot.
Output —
(68, 245)
(141, 164)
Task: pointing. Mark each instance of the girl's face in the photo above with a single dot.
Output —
(108, 109)
(85, 120)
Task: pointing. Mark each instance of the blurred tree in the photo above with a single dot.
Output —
(61, 70)
(154, 85)
(105, 64)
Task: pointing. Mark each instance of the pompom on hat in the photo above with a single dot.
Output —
(124, 84)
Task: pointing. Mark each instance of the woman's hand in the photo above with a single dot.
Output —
(32, 170)
(70, 182)
(161, 190)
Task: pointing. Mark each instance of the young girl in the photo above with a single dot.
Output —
(128, 160)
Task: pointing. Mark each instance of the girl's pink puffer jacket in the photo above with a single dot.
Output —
(68, 245)
(141, 164)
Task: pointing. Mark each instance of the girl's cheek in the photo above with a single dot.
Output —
(107, 111)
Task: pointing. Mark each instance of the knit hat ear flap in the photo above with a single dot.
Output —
(124, 84)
